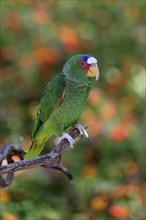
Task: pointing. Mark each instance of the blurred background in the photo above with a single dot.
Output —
(37, 37)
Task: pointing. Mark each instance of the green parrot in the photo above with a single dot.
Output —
(63, 101)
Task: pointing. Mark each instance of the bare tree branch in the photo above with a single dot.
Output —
(48, 160)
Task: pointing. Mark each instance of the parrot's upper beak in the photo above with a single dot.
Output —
(93, 71)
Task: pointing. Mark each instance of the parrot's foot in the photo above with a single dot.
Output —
(82, 130)
(67, 137)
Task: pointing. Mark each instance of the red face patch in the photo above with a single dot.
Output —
(83, 65)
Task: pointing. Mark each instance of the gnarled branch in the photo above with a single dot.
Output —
(50, 160)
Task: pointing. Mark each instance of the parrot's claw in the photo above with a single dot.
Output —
(82, 130)
(67, 137)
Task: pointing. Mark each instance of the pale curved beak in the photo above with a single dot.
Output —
(93, 71)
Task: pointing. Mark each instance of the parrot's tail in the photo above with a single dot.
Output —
(34, 150)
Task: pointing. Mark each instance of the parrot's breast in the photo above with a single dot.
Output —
(72, 105)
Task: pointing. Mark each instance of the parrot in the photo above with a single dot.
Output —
(63, 100)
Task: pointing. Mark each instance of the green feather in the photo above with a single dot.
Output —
(49, 101)
(48, 104)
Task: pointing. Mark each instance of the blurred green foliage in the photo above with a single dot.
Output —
(37, 37)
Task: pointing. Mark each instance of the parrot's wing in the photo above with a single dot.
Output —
(51, 100)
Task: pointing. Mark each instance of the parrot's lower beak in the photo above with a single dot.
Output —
(93, 71)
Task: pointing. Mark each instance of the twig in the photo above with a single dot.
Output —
(48, 160)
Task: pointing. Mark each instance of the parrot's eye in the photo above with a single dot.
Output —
(83, 65)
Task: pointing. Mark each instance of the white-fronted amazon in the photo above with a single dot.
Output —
(63, 101)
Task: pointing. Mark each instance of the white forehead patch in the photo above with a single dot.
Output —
(91, 60)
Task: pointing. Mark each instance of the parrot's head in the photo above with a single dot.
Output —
(81, 68)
